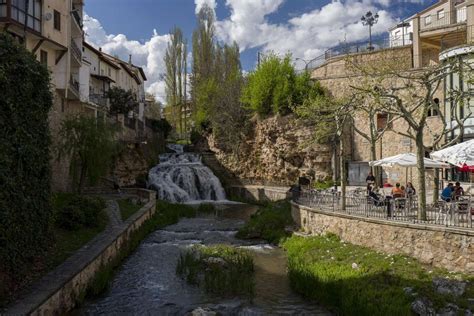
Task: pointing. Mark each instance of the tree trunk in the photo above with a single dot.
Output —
(436, 185)
(373, 157)
(342, 166)
(82, 179)
(420, 155)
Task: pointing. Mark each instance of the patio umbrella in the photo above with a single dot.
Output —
(460, 155)
(406, 160)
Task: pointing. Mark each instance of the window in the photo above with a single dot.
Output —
(44, 57)
(434, 110)
(19, 13)
(57, 20)
(3, 8)
(110, 72)
(428, 20)
(382, 121)
(441, 14)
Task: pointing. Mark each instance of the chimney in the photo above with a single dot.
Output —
(130, 59)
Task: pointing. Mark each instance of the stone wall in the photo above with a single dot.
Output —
(338, 75)
(258, 193)
(60, 291)
(277, 152)
(444, 247)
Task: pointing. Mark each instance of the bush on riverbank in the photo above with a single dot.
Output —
(166, 214)
(73, 211)
(354, 280)
(269, 223)
(221, 269)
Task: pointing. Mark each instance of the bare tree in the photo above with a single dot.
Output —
(410, 95)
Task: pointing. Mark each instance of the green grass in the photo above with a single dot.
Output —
(268, 223)
(166, 214)
(221, 269)
(320, 268)
(127, 208)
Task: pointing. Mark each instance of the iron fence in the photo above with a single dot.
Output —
(449, 214)
(443, 18)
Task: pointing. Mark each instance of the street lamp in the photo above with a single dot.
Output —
(306, 63)
(370, 20)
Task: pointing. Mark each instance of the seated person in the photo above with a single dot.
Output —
(447, 193)
(410, 190)
(397, 191)
(373, 196)
(458, 191)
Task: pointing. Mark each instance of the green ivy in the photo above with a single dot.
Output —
(25, 210)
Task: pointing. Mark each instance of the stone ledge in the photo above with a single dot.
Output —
(438, 228)
(59, 290)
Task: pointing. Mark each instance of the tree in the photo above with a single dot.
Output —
(274, 87)
(330, 118)
(25, 171)
(91, 145)
(410, 94)
(121, 101)
(202, 79)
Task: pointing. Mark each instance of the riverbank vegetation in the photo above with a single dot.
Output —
(127, 208)
(221, 270)
(25, 207)
(166, 214)
(270, 222)
(353, 280)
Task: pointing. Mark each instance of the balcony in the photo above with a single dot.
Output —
(16, 13)
(77, 17)
(443, 19)
(76, 52)
(99, 99)
(74, 87)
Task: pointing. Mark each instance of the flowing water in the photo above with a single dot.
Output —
(182, 178)
(148, 285)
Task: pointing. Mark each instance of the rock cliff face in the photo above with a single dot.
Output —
(278, 151)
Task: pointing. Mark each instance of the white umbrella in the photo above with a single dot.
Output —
(459, 155)
(406, 160)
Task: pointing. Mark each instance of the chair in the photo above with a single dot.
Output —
(400, 204)
(444, 210)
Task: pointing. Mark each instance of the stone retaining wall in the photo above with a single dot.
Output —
(60, 290)
(444, 247)
(258, 193)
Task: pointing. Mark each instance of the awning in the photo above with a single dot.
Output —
(406, 160)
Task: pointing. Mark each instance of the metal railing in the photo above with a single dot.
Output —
(76, 51)
(449, 214)
(74, 84)
(99, 99)
(77, 17)
(442, 18)
(357, 47)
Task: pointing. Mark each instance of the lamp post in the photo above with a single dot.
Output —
(306, 63)
(370, 20)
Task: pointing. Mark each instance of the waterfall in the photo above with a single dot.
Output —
(181, 177)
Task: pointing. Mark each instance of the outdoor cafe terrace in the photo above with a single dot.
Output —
(458, 213)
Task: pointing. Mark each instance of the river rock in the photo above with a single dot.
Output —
(423, 307)
(449, 287)
(448, 310)
(215, 261)
(203, 312)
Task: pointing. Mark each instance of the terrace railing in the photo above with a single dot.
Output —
(442, 19)
(453, 214)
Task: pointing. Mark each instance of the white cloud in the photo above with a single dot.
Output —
(305, 36)
(200, 3)
(148, 55)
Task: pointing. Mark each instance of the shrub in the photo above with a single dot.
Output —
(221, 269)
(161, 125)
(75, 211)
(268, 223)
(25, 209)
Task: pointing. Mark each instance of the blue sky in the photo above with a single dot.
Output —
(304, 28)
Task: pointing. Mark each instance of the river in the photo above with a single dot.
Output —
(147, 284)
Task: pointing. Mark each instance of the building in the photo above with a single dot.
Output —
(429, 37)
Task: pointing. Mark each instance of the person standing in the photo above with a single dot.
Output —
(370, 178)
